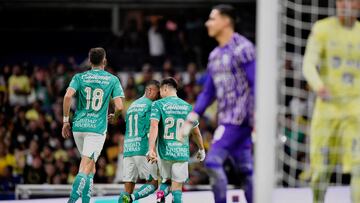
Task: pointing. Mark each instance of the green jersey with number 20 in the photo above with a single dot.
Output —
(171, 112)
(137, 127)
(94, 88)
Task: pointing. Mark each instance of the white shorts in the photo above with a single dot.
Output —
(176, 171)
(89, 144)
(138, 167)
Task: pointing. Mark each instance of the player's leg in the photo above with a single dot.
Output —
(125, 196)
(351, 154)
(130, 176)
(243, 158)
(355, 176)
(163, 191)
(93, 144)
(165, 174)
(179, 175)
(322, 158)
(176, 191)
(214, 164)
(88, 188)
(148, 172)
(80, 178)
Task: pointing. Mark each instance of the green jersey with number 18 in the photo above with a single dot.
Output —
(94, 88)
(171, 112)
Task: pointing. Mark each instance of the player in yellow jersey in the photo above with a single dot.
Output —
(332, 68)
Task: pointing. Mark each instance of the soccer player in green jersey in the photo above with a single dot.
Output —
(167, 116)
(136, 146)
(92, 90)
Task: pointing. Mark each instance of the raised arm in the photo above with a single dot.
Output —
(206, 97)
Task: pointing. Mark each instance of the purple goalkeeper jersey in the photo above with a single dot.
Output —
(230, 80)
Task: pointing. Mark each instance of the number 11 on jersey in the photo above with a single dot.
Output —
(133, 119)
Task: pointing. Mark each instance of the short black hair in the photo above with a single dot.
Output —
(97, 55)
(153, 82)
(170, 82)
(227, 10)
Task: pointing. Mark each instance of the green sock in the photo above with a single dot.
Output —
(78, 186)
(166, 188)
(144, 191)
(86, 193)
(177, 196)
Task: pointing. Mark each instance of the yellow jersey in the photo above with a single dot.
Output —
(19, 82)
(332, 58)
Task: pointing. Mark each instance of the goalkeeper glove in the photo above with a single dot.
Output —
(200, 155)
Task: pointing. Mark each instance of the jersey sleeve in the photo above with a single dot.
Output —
(118, 90)
(250, 68)
(155, 112)
(246, 59)
(312, 57)
(74, 83)
(206, 97)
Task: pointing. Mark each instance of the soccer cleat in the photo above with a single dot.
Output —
(160, 196)
(126, 199)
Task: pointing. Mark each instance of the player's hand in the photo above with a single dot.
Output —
(112, 119)
(324, 94)
(187, 126)
(200, 155)
(66, 130)
(151, 156)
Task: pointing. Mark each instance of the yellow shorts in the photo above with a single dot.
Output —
(335, 135)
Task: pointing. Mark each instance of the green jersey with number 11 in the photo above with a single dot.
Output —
(94, 88)
(137, 128)
(171, 112)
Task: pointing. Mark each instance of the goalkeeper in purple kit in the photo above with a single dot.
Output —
(231, 81)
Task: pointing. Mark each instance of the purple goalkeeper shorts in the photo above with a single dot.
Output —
(235, 142)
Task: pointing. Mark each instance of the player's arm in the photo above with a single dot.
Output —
(250, 75)
(119, 106)
(70, 92)
(197, 138)
(206, 98)
(155, 117)
(153, 134)
(246, 61)
(312, 59)
(117, 95)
